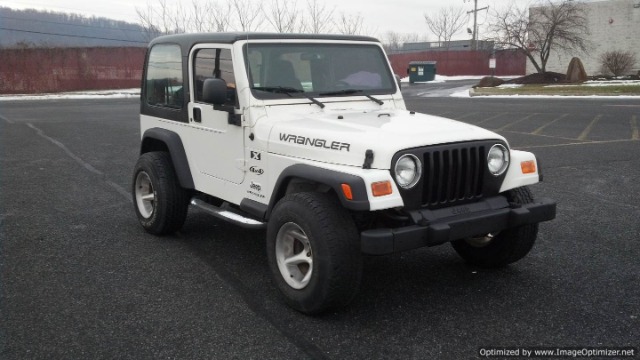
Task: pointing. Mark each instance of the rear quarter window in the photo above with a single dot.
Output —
(164, 86)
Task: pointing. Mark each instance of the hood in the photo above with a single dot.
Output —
(340, 137)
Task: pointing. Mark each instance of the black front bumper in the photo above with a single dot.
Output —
(435, 227)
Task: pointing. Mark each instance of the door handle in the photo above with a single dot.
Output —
(197, 115)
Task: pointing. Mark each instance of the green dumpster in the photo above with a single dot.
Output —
(422, 71)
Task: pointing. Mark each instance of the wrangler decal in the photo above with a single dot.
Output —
(319, 143)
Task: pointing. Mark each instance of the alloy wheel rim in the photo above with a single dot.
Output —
(145, 195)
(294, 255)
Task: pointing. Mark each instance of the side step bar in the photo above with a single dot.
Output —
(227, 215)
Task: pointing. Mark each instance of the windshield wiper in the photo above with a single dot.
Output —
(288, 91)
(352, 91)
(278, 89)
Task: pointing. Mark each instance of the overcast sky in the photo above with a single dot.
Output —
(380, 16)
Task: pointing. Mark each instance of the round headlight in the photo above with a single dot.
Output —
(498, 160)
(408, 171)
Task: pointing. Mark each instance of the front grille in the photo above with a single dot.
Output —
(453, 174)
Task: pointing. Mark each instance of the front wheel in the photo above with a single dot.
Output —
(160, 203)
(313, 252)
(504, 247)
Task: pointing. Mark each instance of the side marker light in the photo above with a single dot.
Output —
(381, 188)
(528, 167)
(346, 190)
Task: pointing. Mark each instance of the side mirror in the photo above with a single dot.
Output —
(214, 91)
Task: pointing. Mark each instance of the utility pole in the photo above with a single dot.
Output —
(475, 22)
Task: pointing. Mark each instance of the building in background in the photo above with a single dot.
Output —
(457, 58)
(613, 25)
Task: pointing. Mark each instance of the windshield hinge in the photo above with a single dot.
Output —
(368, 159)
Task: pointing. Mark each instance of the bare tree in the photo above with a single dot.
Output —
(156, 19)
(166, 17)
(538, 31)
(318, 19)
(200, 20)
(149, 28)
(220, 16)
(446, 23)
(350, 24)
(247, 14)
(394, 42)
(282, 16)
(159, 17)
(413, 38)
(617, 62)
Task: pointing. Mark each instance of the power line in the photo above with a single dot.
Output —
(75, 36)
(80, 25)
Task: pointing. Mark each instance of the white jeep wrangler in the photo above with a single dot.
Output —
(308, 136)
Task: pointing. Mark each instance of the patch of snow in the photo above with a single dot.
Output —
(95, 94)
(510, 86)
(600, 83)
(444, 78)
(557, 97)
(461, 94)
(612, 83)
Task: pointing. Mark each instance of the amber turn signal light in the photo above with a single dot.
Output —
(346, 190)
(381, 188)
(528, 167)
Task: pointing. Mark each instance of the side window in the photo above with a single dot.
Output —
(214, 63)
(164, 84)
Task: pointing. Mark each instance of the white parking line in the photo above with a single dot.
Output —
(466, 115)
(7, 120)
(634, 128)
(84, 164)
(490, 118)
(576, 143)
(587, 130)
(541, 128)
(516, 122)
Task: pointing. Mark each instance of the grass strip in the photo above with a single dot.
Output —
(563, 90)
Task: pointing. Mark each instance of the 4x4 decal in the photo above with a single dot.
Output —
(320, 143)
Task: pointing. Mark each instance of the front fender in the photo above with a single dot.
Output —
(334, 179)
(514, 177)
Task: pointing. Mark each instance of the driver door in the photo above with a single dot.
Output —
(217, 146)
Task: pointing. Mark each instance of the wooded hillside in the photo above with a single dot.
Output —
(33, 28)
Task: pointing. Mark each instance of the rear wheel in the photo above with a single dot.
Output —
(313, 252)
(160, 203)
(500, 248)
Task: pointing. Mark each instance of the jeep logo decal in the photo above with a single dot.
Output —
(256, 170)
(255, 186)
(320, 143)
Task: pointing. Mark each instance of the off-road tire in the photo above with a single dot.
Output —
(507, 246)
(333, 245)
(166, 212)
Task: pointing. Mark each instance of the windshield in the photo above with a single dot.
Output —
(303, 70)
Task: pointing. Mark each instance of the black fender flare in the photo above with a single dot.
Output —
(174, 145)
(334, 179)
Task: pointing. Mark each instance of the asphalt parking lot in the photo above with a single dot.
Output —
(79, 278)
